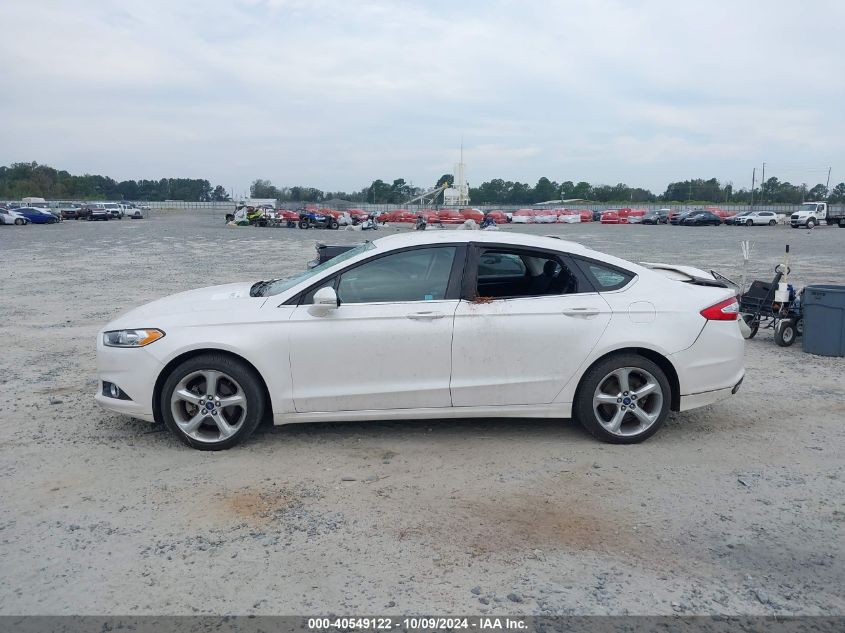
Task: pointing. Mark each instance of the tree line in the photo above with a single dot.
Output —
(31, 179)
(506, 192)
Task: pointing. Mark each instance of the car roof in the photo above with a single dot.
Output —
(438, 236)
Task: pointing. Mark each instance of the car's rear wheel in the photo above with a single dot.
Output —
(334, 225)
(212, 401)
(18, 221)
(772, 222)
(303, 224)
(624, 399)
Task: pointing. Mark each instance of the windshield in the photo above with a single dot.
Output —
(277, 286)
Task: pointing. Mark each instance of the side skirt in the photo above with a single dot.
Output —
(554, 410)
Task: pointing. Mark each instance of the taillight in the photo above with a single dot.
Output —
(727, 310)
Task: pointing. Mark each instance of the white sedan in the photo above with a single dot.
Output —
(443, 324)
(10, 216)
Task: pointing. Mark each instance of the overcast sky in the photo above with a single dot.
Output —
(333, 94)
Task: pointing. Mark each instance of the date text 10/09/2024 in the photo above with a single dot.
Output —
(421, 623)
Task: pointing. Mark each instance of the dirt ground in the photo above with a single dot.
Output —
(736, 508)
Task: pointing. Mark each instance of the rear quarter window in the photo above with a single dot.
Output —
(604, 277)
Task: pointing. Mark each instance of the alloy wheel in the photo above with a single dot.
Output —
(208, 405)
(628, 401)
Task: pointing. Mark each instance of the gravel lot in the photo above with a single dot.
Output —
(734, 508)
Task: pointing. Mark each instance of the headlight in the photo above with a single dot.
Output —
(131, 338)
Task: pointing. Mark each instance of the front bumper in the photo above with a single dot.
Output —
(133, 370)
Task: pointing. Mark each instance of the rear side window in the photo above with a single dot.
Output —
(604, 276)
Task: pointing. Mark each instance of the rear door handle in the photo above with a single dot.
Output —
(580, 312)
(425, 316)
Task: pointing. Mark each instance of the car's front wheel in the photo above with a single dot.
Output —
(624, 399)
(18, 221)
(212, 401)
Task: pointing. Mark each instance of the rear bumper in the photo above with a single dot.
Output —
(713, 367)
(695, 400)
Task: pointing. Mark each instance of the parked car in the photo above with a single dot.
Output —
(70, 211)
(702, 218)
(11, 216)
(132, 211)
(611, 216)
(37, 216)
(210, 362)
(769, 218)
(680, 215)
(96, 212)
(736, 220)
(656, 216)
(114, 209)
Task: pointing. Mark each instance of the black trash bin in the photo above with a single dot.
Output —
(824, 320)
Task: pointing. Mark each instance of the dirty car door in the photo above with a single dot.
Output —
(388, 344)
(529, 320)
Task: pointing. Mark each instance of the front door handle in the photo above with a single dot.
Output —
(581, 312)
(425, 316)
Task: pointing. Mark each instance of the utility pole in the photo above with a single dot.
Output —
(753, 185)
(763, 184)
(827, 186)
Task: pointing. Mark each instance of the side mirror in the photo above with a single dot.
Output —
(325, 300)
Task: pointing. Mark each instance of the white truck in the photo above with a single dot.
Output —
(812, 214)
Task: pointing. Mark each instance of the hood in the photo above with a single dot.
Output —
(227, 298)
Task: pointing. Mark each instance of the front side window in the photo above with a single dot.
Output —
(504, 273)
(420, 274)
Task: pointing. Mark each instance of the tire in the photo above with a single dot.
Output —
(772, 222)
(753, 324)
(811, 223)
(303, 224)
(234, 379)
(842, 223)
(334, 225)
(786, 332)
(18, 222)
(602, 381)
(749, 223)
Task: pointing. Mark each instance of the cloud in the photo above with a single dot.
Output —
(334, 94)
